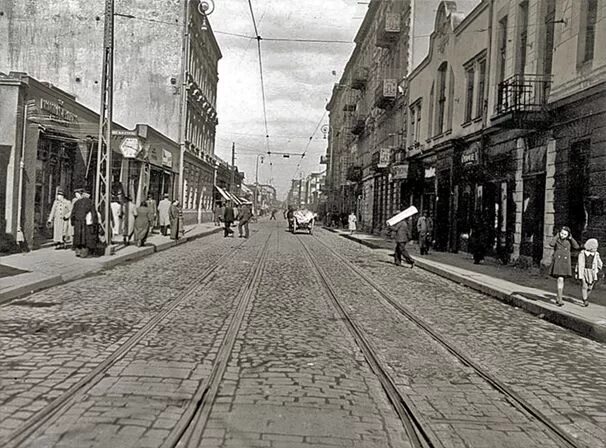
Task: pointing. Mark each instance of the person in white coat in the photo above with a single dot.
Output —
(59, 220)
(352, 222)
(163, 214)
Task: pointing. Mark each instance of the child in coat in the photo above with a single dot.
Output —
(587, 268)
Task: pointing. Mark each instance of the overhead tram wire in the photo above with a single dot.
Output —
(309, 143)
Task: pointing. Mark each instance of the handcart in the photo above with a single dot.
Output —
(303, 220)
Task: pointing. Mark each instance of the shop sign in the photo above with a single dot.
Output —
(430, 172)
(57, 110)
(167, 158)
(400, 171)
(384, 158)
(471, 156)
(130, 147)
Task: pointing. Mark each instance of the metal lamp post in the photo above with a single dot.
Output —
(257, 180)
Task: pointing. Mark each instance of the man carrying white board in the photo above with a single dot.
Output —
(401, 230)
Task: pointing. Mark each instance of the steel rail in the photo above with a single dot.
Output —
(418, 435)
(190, 428)
(22, 433)
(516, 400)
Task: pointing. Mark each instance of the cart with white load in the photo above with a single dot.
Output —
(303, 220)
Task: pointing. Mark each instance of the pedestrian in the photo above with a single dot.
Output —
(143, 222)
(129, 214)
(243, 219)
(424, 229)
(561, 267)
(84, 218)
(478, 240)
(217, 213)
(352, 220)
(588, 266)
(273, 214)
(163, 217)
(59, 220)
(401, 231)
(176, 220)
(290, 215)
(228, 219)
(116, 216)
(152, 210)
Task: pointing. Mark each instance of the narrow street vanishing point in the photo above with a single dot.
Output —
(289, 340)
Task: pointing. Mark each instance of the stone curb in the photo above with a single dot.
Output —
(49, 282)
(578, 324)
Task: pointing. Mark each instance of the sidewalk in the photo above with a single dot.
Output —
(48, 267)
(526, 290)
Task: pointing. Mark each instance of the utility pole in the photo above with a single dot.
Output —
(233, 168)
(184, 93)
(103, 186)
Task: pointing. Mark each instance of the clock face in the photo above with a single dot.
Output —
(130, 147)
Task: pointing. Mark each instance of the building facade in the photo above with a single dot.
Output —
(165, 70)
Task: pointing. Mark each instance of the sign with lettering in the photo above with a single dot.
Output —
(400, 171)
(57, 110)
(130, 147)
(384, 158)
(167, 158)
(471, 156)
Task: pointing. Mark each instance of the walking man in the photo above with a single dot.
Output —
(243, 219)
(228, 219)
(84, 219)
(424, 229)
(402, 236)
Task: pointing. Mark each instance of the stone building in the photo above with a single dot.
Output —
(155, 74)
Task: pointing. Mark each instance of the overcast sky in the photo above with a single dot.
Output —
(298, 80)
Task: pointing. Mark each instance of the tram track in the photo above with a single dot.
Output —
(79, 389)
(421, 436)
(190, 429)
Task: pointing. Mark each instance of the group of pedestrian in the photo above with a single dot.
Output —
(226, 215)
(136, 223)
(589, 263)
(75, 222)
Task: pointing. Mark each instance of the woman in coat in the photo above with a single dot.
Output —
(176, 220)
(59, 220)
(561, 266)
(143, 221)
(163, 217)
(352, 220)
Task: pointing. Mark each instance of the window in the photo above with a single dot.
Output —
(441, 97)
(591, 13)
(481, 86)
(418, 123)
(502, 50)
(550, 18)
(522, 37)
(469, 80)
(430, 121)
(413, 124)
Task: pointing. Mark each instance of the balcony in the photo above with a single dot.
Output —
(358, 124)
(522, 102)
(354, 173)
(388, 30)
(349, 106)
(359, 78)
(386, 92)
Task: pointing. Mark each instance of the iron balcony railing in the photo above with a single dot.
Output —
(523, 93)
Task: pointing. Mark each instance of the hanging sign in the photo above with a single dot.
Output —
(130, 147)
(471, 156)
(384, 158)
(167, 158)
(400, 171)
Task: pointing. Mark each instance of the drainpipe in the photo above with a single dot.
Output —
(488, 65)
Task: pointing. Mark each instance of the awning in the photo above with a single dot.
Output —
(234, 198)
(245, 201)
(223, 193)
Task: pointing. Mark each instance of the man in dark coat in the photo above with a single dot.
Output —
(228, 218)
(85, 221)
(243, 219)
(175, 214)
(402, 236)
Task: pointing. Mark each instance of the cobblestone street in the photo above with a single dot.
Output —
(226, 342)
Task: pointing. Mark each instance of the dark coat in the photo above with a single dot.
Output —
(561, 265)
(84, 235)
(175, 214)
(245, 215)
(143, 221)
(228, 214)
(401, 232)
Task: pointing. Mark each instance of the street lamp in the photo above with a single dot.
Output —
(257, 179)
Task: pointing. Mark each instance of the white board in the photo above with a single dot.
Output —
(410, 211)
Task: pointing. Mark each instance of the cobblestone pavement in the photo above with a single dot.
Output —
(295, 376)
(557, 371)
(52, 339)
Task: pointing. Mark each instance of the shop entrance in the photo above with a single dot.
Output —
(54, 170)
(533, 210)
(578, 188)
(442, 221)
(160, 183)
